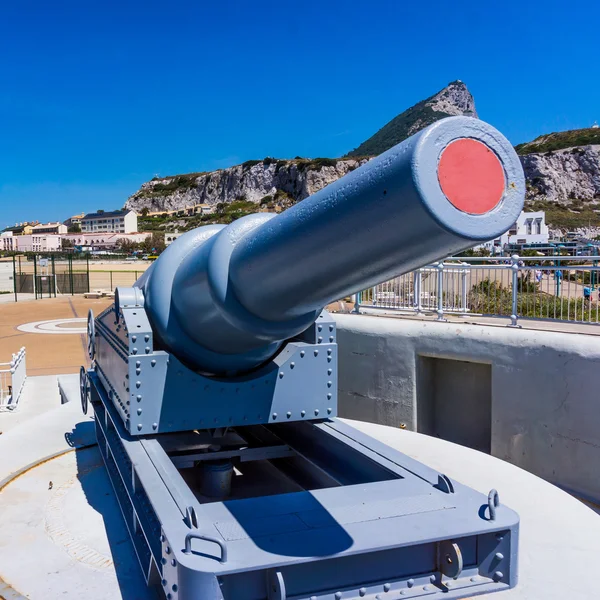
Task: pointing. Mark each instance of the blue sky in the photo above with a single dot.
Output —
(97, 97)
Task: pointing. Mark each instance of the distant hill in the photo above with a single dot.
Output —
(561, 140)
(455, 99)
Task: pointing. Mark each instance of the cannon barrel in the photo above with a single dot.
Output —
(224, 298)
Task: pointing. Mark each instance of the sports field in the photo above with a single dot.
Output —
(53, 337)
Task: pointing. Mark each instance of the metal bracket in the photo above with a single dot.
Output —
(450, 560)
(444, 484)
(275, 586)
(91, 335)
(84, 389)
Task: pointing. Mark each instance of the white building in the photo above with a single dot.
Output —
(8, 241)
(37, 243)
(55, 228)
(530, 228)
(171, 237)
(118, 221)
(103, 241)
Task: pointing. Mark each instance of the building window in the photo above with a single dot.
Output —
(538, 226)
(528, 227)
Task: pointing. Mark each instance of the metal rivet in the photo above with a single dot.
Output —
(138, 364)
(126, 376)
(155, 426)
(425, 588)
(474, 579)
(432, 579)
(329, 411)
(164, 582)
(302, 353)
(138, 384)
(499, 556)
(329, 396)
(138, 398)
(139, 411)
(168, 550)
(280, 374)
(147, 338)
(169, 596)
(319, 340)
(499, 536)
(173, 562)
(329, 359)
(174, 588)
(292, 365)
(410, 583)
(338, 595)
(133, 338)
(320, 328)
(329, 351)
(162, 538)
(163, 560)
(498, 575)
(316, 353)
(138, 371)
(153, 363)
(288, 414)
(329, 371)
(302, 413)
(134, 351)
(387, 587)
(331, 338)
(316, 411)
(139, 426)
(362, 591)
(329, 384)
(147, 350)
(274, 416)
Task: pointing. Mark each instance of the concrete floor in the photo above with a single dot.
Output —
(63, 536)
(46, 354)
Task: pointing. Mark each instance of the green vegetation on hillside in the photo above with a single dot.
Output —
(401, 127)
(225, 212)
(560, 140)
(576, 214)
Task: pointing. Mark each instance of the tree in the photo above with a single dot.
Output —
(127, 246)
(74, 228)
(144, 212)
(154, 244)
(66, 243)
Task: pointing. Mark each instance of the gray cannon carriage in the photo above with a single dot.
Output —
(214, 387)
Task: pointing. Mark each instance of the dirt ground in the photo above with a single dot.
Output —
(47, 354)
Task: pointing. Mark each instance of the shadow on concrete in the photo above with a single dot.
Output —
(100, 496)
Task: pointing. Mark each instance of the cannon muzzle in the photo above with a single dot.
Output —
(224, 298)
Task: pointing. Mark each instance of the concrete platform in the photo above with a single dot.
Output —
(62, 534)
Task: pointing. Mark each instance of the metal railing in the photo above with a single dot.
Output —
(564, 288)
(12, 380)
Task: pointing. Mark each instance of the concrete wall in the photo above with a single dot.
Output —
(545, 389)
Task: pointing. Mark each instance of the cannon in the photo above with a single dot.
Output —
(214, 386)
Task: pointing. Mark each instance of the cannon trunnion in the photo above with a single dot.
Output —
(214, 387)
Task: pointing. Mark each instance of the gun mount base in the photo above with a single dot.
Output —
(317, 511)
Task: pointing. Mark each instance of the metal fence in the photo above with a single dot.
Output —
(553, 288)
(12, 380)
(44, 276)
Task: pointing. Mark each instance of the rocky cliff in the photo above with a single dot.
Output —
(562, 170)
(286, 180)
(454, 100)
(564, 176)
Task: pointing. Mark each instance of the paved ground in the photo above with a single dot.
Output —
(47, 354)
